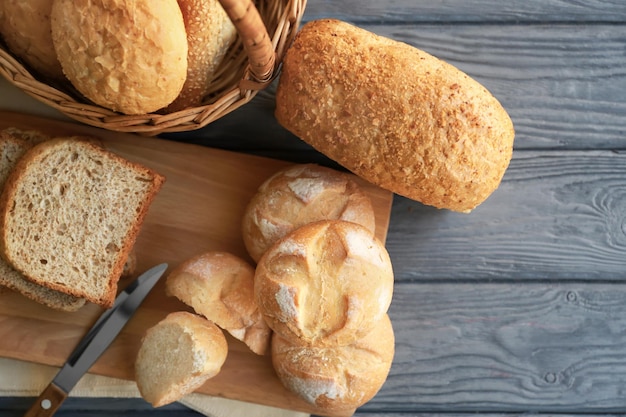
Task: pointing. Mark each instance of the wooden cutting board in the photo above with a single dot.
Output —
(198, 209)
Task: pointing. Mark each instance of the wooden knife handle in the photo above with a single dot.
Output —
(48, 402)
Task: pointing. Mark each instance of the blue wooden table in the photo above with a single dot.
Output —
(519, 306)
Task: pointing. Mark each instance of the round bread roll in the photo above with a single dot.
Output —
(220, 286)
(126, 55)
(25, 27)
(336, 378)
(177, 356)
(324, 284)
(210, 33)
(298, 195)
(394, 115)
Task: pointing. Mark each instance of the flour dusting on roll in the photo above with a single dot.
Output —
(336, 378)
(301, 194)
(318, 287)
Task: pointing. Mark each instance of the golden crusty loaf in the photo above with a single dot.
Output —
(177, 356)
(298, 195)
(70, 212)
(394, 115)
(25, 27)
(220, 286)
(210, 33)
(126, 55)
(337, 378)
(326, 283)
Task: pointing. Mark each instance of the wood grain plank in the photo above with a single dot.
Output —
(479, 11)
(492, 348)
(558, 215)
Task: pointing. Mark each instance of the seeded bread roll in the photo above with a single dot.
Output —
(177, 356)
(220, 286)
(70, 213)
(394, 115)
(298, 195)
(126, 55)
(326, 283)
(336, 378)
(209, 35)
(25, 27)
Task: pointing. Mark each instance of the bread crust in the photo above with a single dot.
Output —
(336, 378)
(126, 55)
(13, 144)
(325, 284)
(301, 194)
(15, 193)
(394, 115)
(210, 33)
(220, 286)
(25, 27)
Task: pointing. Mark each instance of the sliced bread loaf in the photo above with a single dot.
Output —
(13, 144)
(70, 212)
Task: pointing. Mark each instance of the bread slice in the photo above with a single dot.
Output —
(70, 212)
(56, 300)
(220, 286)
(177, 355)
(13, 144)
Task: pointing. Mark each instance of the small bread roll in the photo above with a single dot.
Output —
(25, 27)
(336, 378)
(177, 356)
(220, 286)
(210, 33)
(326, 283)
(126, 55)
(394, 115)
(298, 195)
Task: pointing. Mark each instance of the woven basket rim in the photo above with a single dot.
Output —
(235, 89)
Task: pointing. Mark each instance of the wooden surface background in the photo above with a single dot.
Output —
(519, 307)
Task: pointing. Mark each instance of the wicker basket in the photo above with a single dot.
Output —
(266, 28)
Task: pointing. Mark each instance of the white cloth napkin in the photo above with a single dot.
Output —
(27, 379)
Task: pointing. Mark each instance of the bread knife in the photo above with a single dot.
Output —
(94, 343)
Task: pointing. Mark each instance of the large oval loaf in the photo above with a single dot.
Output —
(394, 115)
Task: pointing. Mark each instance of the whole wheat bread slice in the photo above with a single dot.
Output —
(70, 212)
(13, 144)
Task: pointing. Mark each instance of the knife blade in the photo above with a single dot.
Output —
(94, 343)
